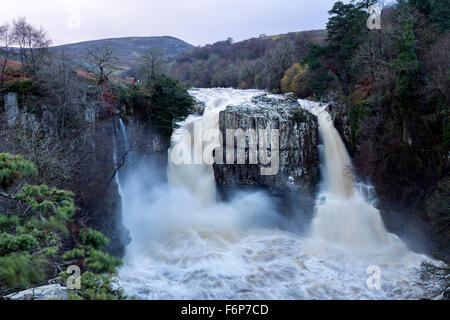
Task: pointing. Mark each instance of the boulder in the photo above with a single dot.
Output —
(298, 145)
(51, 291)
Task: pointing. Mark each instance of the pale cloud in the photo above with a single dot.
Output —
(197, 21)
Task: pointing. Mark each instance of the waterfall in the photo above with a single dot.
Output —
(343, 215)
(123, 130)
(198, 177)
(187, 245)
(338, 171)
(120, 145)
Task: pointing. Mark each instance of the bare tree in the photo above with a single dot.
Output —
(100, 64)
(33, 44)
(437, 67)
(278, 60)
(56, 159)
(65, 94)
(5, 50)
(249, 72)
(151, 64)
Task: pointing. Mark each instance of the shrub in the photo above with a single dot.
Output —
(165, 101)
(446, 133)
(97, 287)
(171, 103)
(30, 235)
(94, 238)
(21, 242)
(20, 269)
(13, 167)
(299, 115)
(48, 201)
(26, 87)
(8, 222)
(24, 90)
(89, 253)
(296, 80)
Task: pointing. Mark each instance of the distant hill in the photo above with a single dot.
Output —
(128, 49)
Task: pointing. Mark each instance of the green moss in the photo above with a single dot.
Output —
(299, 115)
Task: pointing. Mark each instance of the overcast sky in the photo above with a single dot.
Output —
(196, 21)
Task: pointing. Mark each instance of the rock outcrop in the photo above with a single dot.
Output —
(147, 144)
(339, 113)
(11, 108)
(298, 146)
(96, 192)
(51, 291)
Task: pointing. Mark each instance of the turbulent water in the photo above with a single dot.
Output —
(187, 245)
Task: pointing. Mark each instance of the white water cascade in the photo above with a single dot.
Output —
(187, 245)
(199, 178)
(343, 215)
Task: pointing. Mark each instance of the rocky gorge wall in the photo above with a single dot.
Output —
(91, 178)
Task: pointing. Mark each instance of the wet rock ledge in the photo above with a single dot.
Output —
(298, 145)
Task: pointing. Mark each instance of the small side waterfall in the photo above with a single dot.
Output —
(120, 145)
(338, 171)
(344, 216)
(125, 137)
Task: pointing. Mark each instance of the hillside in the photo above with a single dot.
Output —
(253, 63)
(128, 50)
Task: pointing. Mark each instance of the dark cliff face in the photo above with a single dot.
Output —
(100, 197)
(147, 142)
(87, 169)
(298, 168)
(411, 219)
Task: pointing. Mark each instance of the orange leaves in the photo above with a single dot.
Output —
(362, 90)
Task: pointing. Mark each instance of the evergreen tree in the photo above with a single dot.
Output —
(346, 30)
(170, 103)
(406, 64)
